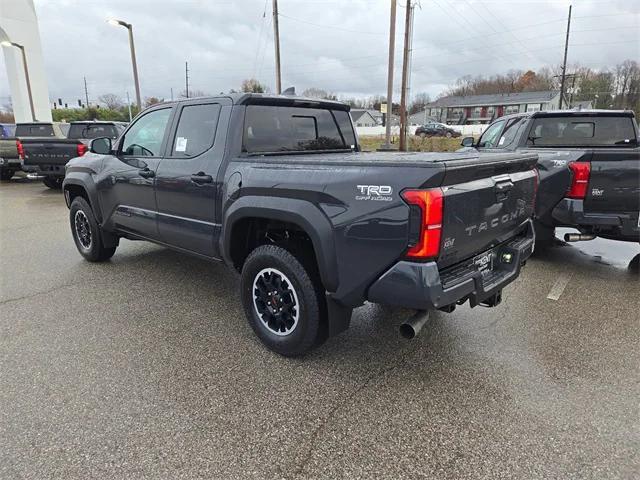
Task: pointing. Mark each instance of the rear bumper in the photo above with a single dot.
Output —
(45, 170)
(570, 213)
(10, 163)
(422, 286)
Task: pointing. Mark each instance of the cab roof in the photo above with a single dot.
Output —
(271, 99)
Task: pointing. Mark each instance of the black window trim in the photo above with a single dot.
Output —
(174, 131)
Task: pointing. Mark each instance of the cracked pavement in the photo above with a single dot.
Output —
(144, 367)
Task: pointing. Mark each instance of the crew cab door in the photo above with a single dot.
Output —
(186, 185)
(128, 191)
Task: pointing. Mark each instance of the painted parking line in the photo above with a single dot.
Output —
(559, 286)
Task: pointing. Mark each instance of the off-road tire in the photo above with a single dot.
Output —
(310, 329)
(6, 175)
(93, 250)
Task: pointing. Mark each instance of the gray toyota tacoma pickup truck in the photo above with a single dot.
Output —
(276, 188)
(589, 165)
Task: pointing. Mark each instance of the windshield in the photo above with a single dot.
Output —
(34, 130)
(586, 131)
(90, 131)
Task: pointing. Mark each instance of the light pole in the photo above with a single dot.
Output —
(128, 26)
(7, 43)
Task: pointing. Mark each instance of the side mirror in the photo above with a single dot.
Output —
(100, 145)
(468, 142)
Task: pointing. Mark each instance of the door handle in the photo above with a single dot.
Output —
(146, 173)
(503, 187)
(201, 177)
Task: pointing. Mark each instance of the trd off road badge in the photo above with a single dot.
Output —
(377, 193)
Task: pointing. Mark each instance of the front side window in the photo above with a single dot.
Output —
(289, 129)
(196, 130)
(575, 131)
(144, 138)
(490, 137)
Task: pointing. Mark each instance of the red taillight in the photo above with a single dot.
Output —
(430, 204)
(20, 149)
(580, 179)
(82, 149)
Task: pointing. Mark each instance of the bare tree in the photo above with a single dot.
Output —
(193, 93)
(314, 92)
(419, 103)
(251, 85)
(111, 101)
(148, 101)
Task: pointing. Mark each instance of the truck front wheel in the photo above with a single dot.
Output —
(283, 300)
(6, 175)
(86, 232)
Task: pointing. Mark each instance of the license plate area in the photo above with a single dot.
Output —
(483, 263)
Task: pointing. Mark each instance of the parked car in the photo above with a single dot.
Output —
(436, 130)
(276, 188)
(47, 155)
(589, 163)
(9, 158)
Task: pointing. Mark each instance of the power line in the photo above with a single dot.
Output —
(332, 27)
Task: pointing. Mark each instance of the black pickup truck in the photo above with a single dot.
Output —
(47, 155)
(589, 164)
(276, 188)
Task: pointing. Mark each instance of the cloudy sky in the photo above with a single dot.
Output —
(340, 46)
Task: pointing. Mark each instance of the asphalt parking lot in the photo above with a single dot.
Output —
(144, 367)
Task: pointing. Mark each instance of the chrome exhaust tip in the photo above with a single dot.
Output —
(412, 327)
(578, 237)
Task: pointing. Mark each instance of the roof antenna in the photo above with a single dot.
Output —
(291, 91)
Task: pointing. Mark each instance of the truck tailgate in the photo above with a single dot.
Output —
(486, 201)
(49, 151)
(614, 183)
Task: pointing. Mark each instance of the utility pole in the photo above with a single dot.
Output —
(564, 63)
(172, 94)
(276, 41)
(129, 105)
(86, 92)
(186, 79)
(403, 88)
(392, 45)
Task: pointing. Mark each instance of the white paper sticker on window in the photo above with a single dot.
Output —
(181, 144)
(501, 141)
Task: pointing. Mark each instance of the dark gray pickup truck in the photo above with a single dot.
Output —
(47, 155)
(589, 164)
(276, 188)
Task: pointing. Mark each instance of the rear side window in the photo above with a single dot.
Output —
(289, 129)
(196, 130)
(577, 131)
(92, 131)
(45, 130)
